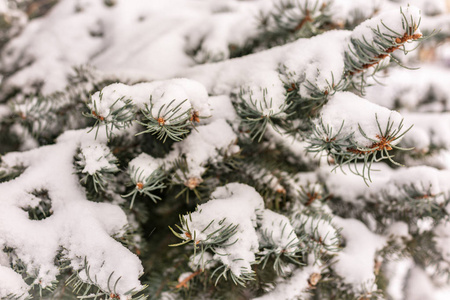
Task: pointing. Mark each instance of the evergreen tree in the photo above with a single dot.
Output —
(184, 149)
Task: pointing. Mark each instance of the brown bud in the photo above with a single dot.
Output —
(314, 279)
(139, 185)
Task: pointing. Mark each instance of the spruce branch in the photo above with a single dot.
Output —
(309, 194)
(8, 173)
(412, 203)
(282, 256)
(364, 53)
(344, 151)
(184, 282)
(119, 115)
(17, 297)
(36, 113)
(215, 242)
(170, 121)
(268, 181)
(317, 233)
(216, 239)
(86, 287)
(43, 209)
(223, 272)
(47, 116)
(306, 107)
(145, 185)
(95, 171)
(293, 19)
(188, 183)
(257, 114)
(31, 276)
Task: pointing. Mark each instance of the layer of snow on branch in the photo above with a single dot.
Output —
(429, 7)
(233, 204)
(97, 157)
(352, 11)
(348, 115)
(355, 263)
(257, 228)
(420, 286)
(389, 22)
(318, 229)
(301, 61)
(295, 287)
(423, 179)
(199, 148)
(37, 242)
(12, 283)
(397, 271)
(387, 182)
(442, 239)
(160, 96)
(157, 35)
(430, 130)
(410, 89)
(161, 36)
(275, 230)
